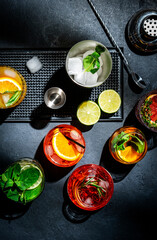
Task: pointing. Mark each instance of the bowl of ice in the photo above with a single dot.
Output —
(88, 63)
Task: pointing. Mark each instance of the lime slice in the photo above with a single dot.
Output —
(38, 182)
(88, 113)
(109, 101)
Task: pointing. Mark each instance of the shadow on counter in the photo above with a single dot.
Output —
(4, 114)
(75, 94)
(117, 170)
(71, 212)
(150, 136)
(10, 210)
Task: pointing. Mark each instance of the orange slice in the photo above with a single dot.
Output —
(128, 154)
(63, 148)
(9, 84)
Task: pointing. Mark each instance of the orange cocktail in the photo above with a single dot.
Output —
(12, 87)
(64, 145)
(128, 145)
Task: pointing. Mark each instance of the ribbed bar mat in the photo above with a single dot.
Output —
(53, 74)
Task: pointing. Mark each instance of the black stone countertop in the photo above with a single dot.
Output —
(132, 210)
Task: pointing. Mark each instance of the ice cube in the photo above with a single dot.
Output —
(5, 97)
(49, 150)
(75, 65)
(74, 135)
(10, 73)
(99, 71)
(104, 184)
(88, 201)
(89, 52)
(90, 78)
(101, 62)
(34, 64)
(80, 77)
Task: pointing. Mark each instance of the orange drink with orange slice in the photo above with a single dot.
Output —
(64, 145)
(128, 145)
(12, 87)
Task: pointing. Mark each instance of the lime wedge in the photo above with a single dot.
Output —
(109, 101)
(88, 113)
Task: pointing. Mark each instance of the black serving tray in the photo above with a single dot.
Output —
(53, 74)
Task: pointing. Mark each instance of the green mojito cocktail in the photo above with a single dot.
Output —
(23, 181)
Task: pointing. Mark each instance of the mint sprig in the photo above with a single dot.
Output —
(14, 98)
(15, 182)
(91, 63)
(120, 140)
(101, 190)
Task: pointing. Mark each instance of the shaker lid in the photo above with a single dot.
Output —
(150, 27)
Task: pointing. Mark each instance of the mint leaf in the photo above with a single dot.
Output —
(4, 177)
(92, 60)
(89, 63)
(31, 194)
(99, 49)
(13, 194)
(27, 178)
(119, 140)
(139, 145)
(9, 183)
(2, 184)
(97, 63)
(95, 55)
(16, 171)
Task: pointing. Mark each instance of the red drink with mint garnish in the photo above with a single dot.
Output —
(90, 187)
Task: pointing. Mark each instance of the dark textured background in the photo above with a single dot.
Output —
(132, 210)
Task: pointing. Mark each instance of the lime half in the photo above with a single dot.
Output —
(109, 101)
(88, 113)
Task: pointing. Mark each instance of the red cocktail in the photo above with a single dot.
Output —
(90, 187)
(146, 110)
(64, 145)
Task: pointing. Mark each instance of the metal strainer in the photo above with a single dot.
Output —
(150, 27)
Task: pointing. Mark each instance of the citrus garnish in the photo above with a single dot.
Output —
(9, 85)
(38, 182)
(128, 154)
(109, 101)
(88, 113)
(64, 148)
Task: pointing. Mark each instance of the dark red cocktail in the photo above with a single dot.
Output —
(90, 187)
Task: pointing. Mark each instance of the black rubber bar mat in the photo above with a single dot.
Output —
(53, 74)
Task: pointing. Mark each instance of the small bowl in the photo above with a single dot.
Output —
(55, 98)
(79, 49)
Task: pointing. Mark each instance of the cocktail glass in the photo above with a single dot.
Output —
(23, 181)
(90, 187)
(146, 111)
(64, 145)
(128, 145)
(12, 87)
